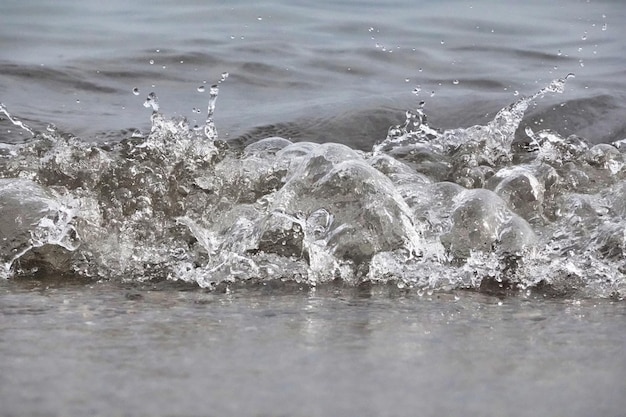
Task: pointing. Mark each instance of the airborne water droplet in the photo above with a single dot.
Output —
(455, 82)
(152, 62)
(604, 27)
(51, 127)
(136, 91)
(223, 77)
(152, 101)
(200, 89)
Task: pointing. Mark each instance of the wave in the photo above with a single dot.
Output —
(474, 208)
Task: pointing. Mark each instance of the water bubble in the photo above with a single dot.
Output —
(136, 91)
(417, 90)
(420, 70)
(157, 50)
(223, 77)
(152, 62)
(432, 93)
(259, 18)
(581, 62)
(51, 127)
(584, 37)
(604, 27)
(455, 82)
(443, 42)
(516, 93)
(559, 53)
(77, 101)
(407, 80)
(200, 89)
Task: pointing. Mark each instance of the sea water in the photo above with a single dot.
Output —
(291, 209)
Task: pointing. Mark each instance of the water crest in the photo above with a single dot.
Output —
(477, 208)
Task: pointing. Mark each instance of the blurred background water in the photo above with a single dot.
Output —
(340, 71)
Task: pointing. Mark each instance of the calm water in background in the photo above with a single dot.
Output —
(332, 71)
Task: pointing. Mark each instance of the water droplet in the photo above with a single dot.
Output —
(152, 101)
(157, 50)
(432, 93)
(51, 127)
(182, 62)
(152, 62)
(604, 27)
(200, 89)
(223, 77)
(259, 18)
(581, 62)
(559, 53)
(407, 80)
(584, 37)
(417, 90)
(443, 42)
(136, 91)
(163, 67)
(420, 70)
(455, 82)
(516, 93)
(371, 29)
(77, 101)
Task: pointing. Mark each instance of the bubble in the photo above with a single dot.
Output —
(223, 77)
(259, 18)
(77, 101)
(559, 53)
(51, 127)
(584, 37)
(432, 93)
(443, 42)
(516, 93)
(455, 82)
(604, 27)
(201, 89)
(152, 62)
(136, 91)
(417, 90)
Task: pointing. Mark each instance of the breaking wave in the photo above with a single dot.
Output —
(434, 210)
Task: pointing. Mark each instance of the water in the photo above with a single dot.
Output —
(282, 209)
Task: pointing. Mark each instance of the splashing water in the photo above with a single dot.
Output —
(475, 208)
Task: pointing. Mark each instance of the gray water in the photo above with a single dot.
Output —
(111, 350)
(144, 341)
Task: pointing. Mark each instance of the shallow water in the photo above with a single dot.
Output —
(132, 350)
(468, 263)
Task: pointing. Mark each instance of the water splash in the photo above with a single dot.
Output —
(429, 209)
(15, 120)
(210, 130)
